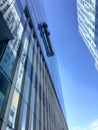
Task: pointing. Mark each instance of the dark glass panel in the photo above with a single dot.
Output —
(3, 89)
(2, 48)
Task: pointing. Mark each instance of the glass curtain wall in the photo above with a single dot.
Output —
(34, 103)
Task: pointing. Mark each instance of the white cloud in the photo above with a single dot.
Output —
(92, 126)
(78, 128)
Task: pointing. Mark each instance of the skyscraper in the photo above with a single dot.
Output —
(30, 97)
(87, 11)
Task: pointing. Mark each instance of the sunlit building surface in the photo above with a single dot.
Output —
(30, 91)
(87, 11)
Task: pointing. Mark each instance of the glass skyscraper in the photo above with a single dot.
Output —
(30, 90)
(87, 11)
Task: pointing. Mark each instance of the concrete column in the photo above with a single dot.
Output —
(46, 98)
(39, 93)
(48, 125)
(37, 101)
(19, 115)
(29, 113)
(35, 68)
(33, 95)
(44, 119)
(42, 66)
(49, 107)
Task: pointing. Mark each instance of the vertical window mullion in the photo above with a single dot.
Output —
(19, 62)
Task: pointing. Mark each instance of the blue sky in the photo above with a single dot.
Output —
(79, 77)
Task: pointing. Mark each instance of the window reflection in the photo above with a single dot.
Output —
(28, 33)
(17, 8)
(21, 67)
(27, 89)
(31, 51)
(2, 48)
(4, 83)
(29, 69)
(24, 117)
(23, 3)
(1, 100)
(4, 5)
(8, 60)
(13, 110)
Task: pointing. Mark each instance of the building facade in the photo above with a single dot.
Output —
(87, 11)
(30, 97)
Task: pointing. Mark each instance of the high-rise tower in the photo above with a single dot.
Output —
(30, 96)
(87, 11)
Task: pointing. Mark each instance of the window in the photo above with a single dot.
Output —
(17, 8)
(13, 110)
(24, 117)
(22, 64)
(36, 81)
(27, 89)
(8, 59)
(30, 70)
(1, 100)
(4, 83)
(31, 50)
(2, 48)
(5, 5)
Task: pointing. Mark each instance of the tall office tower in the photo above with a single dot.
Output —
(87, 11)
(30, 91)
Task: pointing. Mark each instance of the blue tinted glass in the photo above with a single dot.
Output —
(1, 100)
(31, 52)
(24, 117)
(23, 3)
(17, 8)
(2, 48)
(28, 33)
(3, 89)
(29, 69)
(35, 85)
(27, 89)
(23, 19)
(33, 100)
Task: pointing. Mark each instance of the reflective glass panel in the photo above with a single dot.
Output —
(3, 89)
(8, 60)
(2, 48)
(13, 110)
(31, 52)
(12, 18)
(4, 5)
(24, 116)
(27, 89)
(21, 67)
